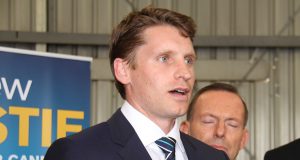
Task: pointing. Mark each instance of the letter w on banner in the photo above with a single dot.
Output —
(43, 96)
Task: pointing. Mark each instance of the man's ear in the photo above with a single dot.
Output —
(121, 71)
(185, 127)
(244, 138)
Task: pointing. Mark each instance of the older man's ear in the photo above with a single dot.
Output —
(245, 138)
(185, 127)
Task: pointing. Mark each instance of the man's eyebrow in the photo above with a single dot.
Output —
(233, 119)
(192, 55)
(210, 115)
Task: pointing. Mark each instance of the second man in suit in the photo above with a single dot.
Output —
(218, 116)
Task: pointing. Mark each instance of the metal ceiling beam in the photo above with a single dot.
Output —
(247, 41)
(102, 39)
(54, 38)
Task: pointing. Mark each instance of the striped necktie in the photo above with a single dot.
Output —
(167, 145)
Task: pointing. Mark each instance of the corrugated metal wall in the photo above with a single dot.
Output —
(274, 103)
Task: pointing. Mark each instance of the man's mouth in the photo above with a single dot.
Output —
(180, 91)
(219, 147)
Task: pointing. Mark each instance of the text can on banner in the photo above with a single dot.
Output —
(43, 96)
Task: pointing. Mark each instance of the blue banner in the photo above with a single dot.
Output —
(43, 96)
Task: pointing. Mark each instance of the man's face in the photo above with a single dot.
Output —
(218, 120)
(161, 82)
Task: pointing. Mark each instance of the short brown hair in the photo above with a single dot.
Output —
(216, 87)
(127, 36)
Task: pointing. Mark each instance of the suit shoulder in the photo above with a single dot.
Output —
(202, 148)
(284, 151)
(93, 132)
(80, 145)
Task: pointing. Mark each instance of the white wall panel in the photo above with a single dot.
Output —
(16, 15)
(223, 18)
(284, 108)
(103, 100)
(242, 53)
(164, 4)
(203, 17)
(203, 53)
(120, 10)
(21, 12)
(141, 3)
(94, 105)
(185, 7)
(242, 17)
(83, 13)
(296, 60)
(263, 17)
(102, 16)
(246, 90)
(261, 121)
(297, 94)
(4, 15)
(64, 11)
(223, 53)
(297, 17)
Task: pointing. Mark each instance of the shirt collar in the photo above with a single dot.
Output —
(147, 130)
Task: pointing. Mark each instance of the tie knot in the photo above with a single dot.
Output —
(167, 145)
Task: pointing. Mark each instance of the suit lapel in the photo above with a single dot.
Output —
(194, 151)
(190, 149)
(134, 150)
(124, 135)
(197, 150)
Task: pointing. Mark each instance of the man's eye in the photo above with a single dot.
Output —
(189, 60)
(207, 121)
(233, 125)
(163, 59)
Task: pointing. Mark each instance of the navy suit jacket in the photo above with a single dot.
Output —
(290, 151)
(117, 140)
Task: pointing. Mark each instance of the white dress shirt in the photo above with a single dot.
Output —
(148, 132)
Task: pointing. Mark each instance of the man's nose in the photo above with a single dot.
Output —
(220, 130)
(184, 71)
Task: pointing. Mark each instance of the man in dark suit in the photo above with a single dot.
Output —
(152, 57)
(290, 151)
